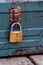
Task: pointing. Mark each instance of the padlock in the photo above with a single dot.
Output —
(16, 33)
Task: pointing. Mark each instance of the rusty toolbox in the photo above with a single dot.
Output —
(21, 28)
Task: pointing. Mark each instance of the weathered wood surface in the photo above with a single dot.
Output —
(37, 59)
(16, 61)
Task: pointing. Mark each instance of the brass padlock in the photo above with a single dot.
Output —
(16, 33)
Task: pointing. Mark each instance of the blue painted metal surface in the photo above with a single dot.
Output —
(32, 25)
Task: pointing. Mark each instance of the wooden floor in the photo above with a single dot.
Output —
(30, 60)
(37, 59)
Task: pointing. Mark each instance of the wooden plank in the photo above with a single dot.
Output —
(4, 62)
(15, 61)
(20, 61)
(37, 59)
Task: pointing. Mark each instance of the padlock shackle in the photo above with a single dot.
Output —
(14, 24)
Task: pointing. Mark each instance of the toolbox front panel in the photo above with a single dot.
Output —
(32, 26)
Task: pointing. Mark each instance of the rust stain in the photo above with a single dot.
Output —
(5, 32)
(15, 14)
(19, 52)
(23, 52)
(26, 47)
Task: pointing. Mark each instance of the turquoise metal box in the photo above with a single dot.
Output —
(32, 27)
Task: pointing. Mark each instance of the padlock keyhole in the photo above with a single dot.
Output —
(16, 27)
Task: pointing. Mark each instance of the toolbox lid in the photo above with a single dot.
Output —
(25, 6)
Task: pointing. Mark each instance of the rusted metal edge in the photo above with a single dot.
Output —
(27, 53)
